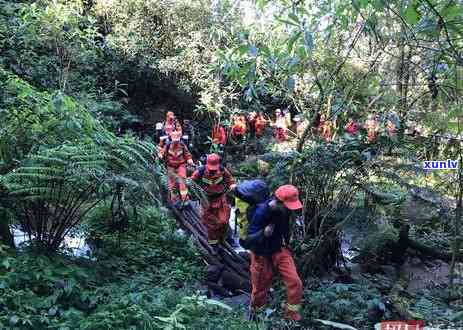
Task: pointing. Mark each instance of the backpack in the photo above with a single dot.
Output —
(202, 170)
(251, 192)
(168, 144)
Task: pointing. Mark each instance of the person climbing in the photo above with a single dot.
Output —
(251, 119)
(372, 127)
(351, 127)
(176, 155)
(218, 139)
(238, 130)
(169, 124)
(327, 130)
(215, 179)
(280, 126)
(259, 125)
(219, 135)
(268, 240)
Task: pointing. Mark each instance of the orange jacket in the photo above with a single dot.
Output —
(219, 135)
(239, 128)
(214, 185)
(175, 154)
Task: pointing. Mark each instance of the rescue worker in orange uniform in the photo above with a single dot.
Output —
(372, 127)
(169, 124)
(351, 127)
(219, 139)
(326, 130)
(268, 238)
(215, 180)
(238, 129)
(176, 155)
(280, 126)
(252, 123)
(219, 136)
(259, 125)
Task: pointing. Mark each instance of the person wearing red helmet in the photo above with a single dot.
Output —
(214, 179)
(169, 124)
(219, 136)
(351, 127)
(259, 125)
(176, 155)
(268, 238)
(238, 129)
(280, 128)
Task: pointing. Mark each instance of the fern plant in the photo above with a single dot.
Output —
(57, 187)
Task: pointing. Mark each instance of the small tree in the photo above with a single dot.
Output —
(56, 188)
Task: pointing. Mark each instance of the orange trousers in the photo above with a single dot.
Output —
(261, 280)
(177, 175)
(215, 216)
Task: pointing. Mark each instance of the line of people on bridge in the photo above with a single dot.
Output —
(267, 235)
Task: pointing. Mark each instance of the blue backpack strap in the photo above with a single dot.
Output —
(201, 170)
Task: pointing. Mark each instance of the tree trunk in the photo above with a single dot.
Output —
(5, 234)
(235, 275)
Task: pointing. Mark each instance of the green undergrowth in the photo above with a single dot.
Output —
(143, 279)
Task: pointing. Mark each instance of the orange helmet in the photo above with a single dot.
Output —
(213, 162)
(289, 195)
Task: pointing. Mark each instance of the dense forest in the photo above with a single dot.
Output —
(360, 104)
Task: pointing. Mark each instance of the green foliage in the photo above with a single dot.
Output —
(54, 189)
(131, 286)
(51, 43)
(344, 303)
(376, 246)
(31, 119)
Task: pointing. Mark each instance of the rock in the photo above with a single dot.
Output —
(344, 278)
(237, 301)
(418, 211)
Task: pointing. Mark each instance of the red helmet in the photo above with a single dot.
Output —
(289, 195)
(213, 162)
